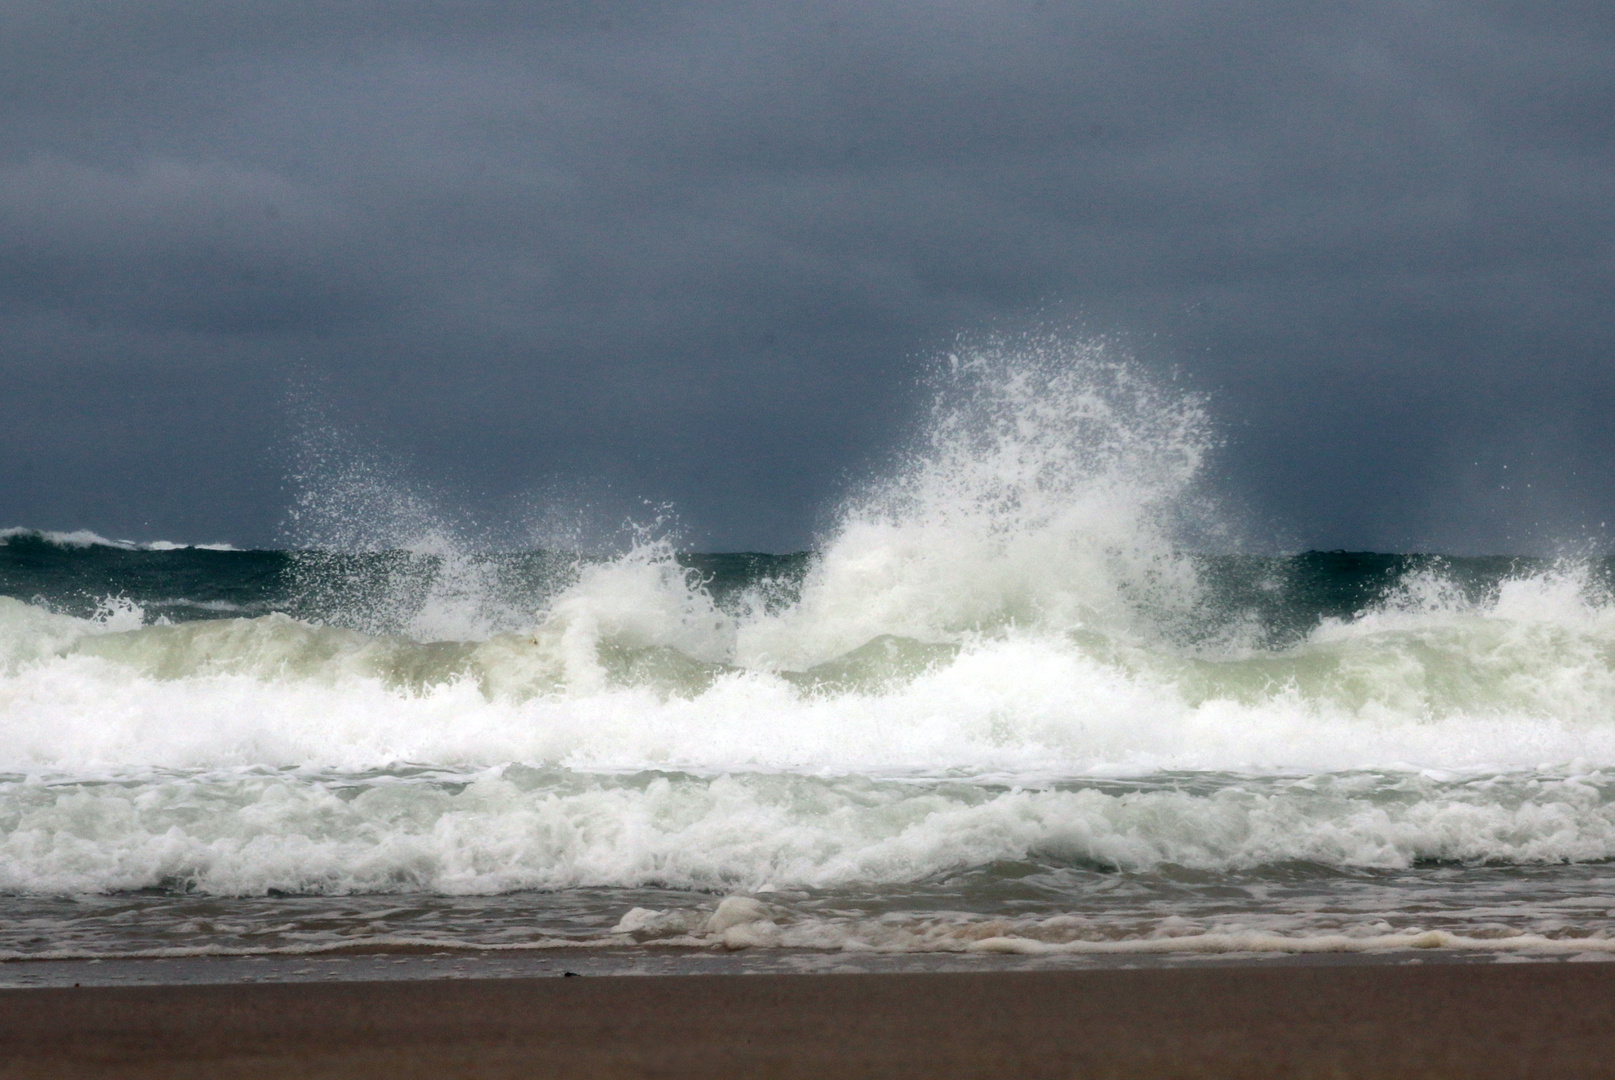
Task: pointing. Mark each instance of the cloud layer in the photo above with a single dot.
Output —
(699, 253)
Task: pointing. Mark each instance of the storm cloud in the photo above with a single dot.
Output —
(702, 254)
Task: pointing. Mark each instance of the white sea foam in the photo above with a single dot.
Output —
(1470, 692)
(250, 831)
(751, 924)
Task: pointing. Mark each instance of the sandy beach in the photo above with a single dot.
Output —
(1515, 1020)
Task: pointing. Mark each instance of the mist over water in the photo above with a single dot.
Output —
(1021, 697)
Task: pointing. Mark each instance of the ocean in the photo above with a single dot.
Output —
(1028, 695)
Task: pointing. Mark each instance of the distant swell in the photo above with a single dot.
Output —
(82, 538)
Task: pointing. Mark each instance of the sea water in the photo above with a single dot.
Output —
(1026, 696)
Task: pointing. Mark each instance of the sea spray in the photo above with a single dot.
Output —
(1051, 489)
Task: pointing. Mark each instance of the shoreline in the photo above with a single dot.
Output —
(423, 964)
(1243, 1020)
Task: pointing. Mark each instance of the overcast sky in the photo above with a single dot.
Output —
(702, 253)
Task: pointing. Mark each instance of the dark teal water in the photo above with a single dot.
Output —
(1286, 596)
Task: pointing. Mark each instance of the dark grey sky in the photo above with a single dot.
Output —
(701, 253)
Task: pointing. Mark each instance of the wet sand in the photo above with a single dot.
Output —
(1513, 1020)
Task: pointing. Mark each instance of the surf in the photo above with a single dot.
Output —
(1022, 668)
